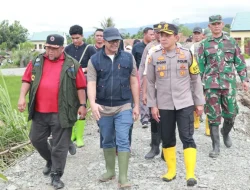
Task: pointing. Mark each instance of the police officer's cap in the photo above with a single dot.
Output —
(169, 28)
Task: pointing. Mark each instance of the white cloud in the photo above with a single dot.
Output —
(59, 15)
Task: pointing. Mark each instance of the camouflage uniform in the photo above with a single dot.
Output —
(218, 60)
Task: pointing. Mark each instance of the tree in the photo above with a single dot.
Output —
(90, 39)
(185, 30)
(69, 40)
(13, 34)
(138, 35)
(227, 28)
(23, 54)
(107, 22)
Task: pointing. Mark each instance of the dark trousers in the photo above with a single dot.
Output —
(185, 122)
(43, 124)
(154, 125)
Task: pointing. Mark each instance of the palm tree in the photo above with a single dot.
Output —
(107, 22)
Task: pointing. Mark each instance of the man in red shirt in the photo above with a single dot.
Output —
(56, 84)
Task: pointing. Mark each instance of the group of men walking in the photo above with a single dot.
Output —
(175, 83)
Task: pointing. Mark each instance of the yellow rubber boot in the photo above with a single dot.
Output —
(170, 157)
(207, 130)
(196, 121)
(190, 162)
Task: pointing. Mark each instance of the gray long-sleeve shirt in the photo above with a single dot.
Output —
(174, 73)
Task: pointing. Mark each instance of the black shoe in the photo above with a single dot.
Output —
(56, 181)
(191, 182)
(47, 168)
(145, 124)
(72, 148)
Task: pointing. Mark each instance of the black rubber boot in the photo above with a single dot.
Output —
(56, 180)
(72, 148)
(214, 131)
(225, 130)
(155, 150)
(47, 168)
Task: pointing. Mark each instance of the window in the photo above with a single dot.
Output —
(40, 46)
(35, 46)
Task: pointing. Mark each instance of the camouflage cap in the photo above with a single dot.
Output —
(207, 32)
(215, 18)
(169, 28)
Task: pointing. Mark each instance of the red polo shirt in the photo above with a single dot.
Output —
(47, 93)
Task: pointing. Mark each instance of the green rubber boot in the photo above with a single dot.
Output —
(109, 155)
(123, 159)
(80, 125)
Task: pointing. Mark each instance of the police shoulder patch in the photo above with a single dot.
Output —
(194, 67)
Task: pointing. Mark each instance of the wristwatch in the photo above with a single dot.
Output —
(83, 105)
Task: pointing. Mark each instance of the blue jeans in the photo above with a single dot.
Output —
(116, 128)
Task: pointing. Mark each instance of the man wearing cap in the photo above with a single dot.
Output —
(155, 132)
(197, 38)
(219, 56)
(82, 52)
(56, 84)
(112, 83)
(172, 72)
(137, 51)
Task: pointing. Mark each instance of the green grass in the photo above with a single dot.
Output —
(13, 84)
(14, 128)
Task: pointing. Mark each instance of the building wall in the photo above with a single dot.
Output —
(242, 35)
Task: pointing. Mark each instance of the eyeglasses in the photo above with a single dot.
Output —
(113, 41)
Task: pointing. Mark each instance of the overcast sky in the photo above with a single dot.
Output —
(60, 15)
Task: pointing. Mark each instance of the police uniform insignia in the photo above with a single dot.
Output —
(166, 27)
(161, 58)
(178, 50)
(182, 67)
(163, 67)
(182, 72)
(159, 26)
(32, 77)
(162, 74)
(163, 51)
(159, 68)
(182, 55)
(194, 68)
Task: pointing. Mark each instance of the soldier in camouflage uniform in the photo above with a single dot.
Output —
(219, 56)
(171, 73)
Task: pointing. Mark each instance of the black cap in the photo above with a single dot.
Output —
(197, 29)
(169, 28)
(111, 33)
(54, 40)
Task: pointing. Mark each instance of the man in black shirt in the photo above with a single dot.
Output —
(79, 49)
(99, 42)
(138, 48)
(82, 53)
(137, 51)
